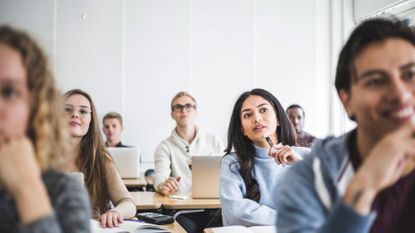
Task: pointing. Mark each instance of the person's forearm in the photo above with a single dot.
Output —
(359, 196)
(32, 201)
(126, 208)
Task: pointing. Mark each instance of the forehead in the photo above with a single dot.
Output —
(295, 111)
(388, 55)
(183, 100)
(111, 121)
(11, 65)
(78, 101)
(254, 101)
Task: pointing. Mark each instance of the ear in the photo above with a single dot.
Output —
(172, 116)
(345, 98)
(243, 131)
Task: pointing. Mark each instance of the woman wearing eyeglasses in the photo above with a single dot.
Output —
(90, 157)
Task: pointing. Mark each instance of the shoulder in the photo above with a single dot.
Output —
(70, 201)
(330, 152)
(56, 181)
(110, 166)
(230, 160)
(60, 185)
(164, 147)
(165, 143)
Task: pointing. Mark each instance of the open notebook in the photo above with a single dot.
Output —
(128, 227)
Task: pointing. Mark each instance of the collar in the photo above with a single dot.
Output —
(261, 152)
(176, 136)
(118, 144)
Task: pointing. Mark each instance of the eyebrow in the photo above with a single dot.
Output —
(248, 109)
(381, 72)
(182, 104)
(12, 81)
(81, 106)
(407, 66)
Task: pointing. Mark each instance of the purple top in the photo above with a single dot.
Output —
(394, 206)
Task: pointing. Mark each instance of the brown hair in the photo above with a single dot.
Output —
(93, 158)
(113, 115)
(180, 94)
(46, 128)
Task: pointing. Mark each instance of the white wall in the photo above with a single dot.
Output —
(132, 56)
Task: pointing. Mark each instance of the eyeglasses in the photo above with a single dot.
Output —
(82, 111)
(179, 107)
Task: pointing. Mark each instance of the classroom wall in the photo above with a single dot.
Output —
(132, 56)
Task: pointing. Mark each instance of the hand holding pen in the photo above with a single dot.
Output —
(283, 155)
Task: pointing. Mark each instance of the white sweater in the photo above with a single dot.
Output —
(173, 157)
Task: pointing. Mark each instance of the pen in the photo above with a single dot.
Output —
(271, 144)
(133, 220)
(269, 141)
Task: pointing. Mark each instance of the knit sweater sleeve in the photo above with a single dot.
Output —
(162, 164)
(236, 209)
(70, 204)
(301, 210)
(119, 194)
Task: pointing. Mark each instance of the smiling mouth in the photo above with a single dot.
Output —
(401, 114)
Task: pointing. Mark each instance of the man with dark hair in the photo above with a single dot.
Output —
(363, 181)
(296, 115)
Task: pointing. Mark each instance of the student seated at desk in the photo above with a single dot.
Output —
(173, 156)
(363, 181)
(90, 156)
(34, 195)
(249, 176)
(113, 127)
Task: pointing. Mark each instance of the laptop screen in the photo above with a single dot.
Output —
(205, 176)
(127, 160)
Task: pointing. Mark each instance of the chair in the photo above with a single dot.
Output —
(149, 177)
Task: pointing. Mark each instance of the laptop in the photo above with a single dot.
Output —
(205, 176)
(127, 160)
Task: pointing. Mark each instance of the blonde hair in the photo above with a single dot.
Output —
(46, 128)
(180, 94)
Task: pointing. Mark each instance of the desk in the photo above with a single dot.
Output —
(145, 200)
(175, 227)
(152, 201)
(134, 182)
(190, 203)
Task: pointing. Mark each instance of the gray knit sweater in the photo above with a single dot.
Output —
(69, 201)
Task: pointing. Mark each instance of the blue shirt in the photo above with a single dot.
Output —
(239, 210)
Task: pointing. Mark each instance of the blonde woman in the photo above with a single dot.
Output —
(34, 196)
(89, 156)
